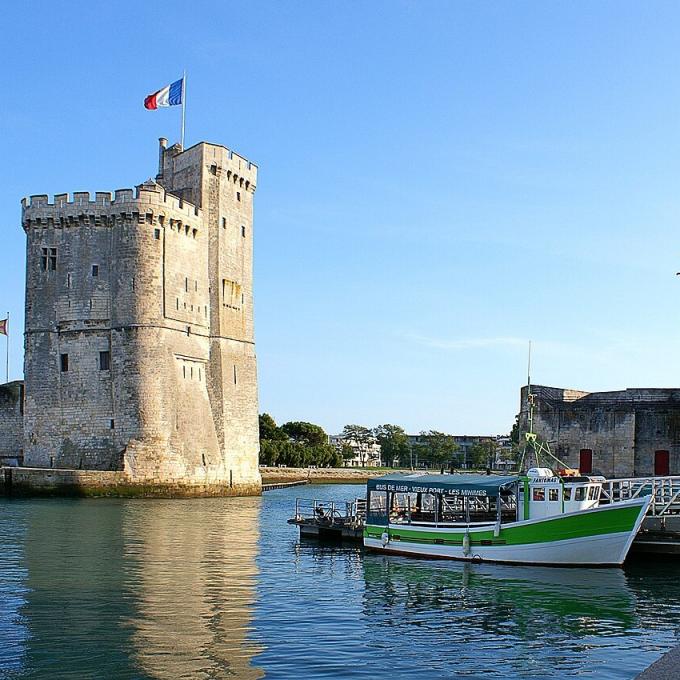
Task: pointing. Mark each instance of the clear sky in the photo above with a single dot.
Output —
(439, 183)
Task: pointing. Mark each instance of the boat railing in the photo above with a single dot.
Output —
(665, 492)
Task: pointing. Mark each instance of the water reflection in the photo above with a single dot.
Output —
(191, 570)
(494, 620)
(128, 589)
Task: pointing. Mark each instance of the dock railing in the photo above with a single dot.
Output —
(665, 492)
(330, 513)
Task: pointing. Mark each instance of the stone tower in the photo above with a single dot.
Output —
(139, 346)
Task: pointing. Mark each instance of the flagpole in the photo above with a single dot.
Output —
(184, 103)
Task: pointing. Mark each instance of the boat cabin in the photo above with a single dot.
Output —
(470, 500)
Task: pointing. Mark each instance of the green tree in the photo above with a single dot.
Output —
(305, 433)
(360, 438)
(347, 453)
(514, 433)
(394, 444)
(269, 430)
(439, 448)
(482, 454)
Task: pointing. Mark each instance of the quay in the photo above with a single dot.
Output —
(659, 534)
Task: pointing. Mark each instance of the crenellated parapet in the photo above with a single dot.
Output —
(148, 203)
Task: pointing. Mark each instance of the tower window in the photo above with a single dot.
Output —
(105, 360)
(53, 259)
(157, 234)
(235, 378)
(43, 260)
(224, 223)
(186, 285)
(95, 270)
(113, 424)
(238, 195)
(243, 231)
(63, 362)
(68, 280)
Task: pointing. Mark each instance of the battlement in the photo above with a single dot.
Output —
(138, 200)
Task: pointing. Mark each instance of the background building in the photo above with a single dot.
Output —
(633, 432)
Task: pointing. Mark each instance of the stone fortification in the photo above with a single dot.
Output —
(627, 432)
(139, 345)
(11, 423)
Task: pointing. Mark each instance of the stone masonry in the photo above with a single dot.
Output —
(139, 345)
(11, 423)
(628, 433)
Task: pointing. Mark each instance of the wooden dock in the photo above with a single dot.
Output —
(284, 485)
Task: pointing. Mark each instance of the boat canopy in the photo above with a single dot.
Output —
(446, 485)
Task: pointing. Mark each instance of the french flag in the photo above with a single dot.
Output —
(170, 95)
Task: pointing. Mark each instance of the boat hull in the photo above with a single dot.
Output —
(597, 537)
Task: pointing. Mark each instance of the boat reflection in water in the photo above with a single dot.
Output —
(131, 589)
(493, 618)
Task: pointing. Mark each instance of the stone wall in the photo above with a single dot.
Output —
(11, 423)
(139, 350)
(623, 429)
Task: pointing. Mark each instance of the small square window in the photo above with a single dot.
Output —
(104, 361)
(157, 234)
(553, 495)
(95, 270)
(63, 362)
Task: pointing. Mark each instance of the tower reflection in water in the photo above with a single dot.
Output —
(194, 579)
(137, 589)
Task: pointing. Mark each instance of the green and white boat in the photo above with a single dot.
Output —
(535, 518)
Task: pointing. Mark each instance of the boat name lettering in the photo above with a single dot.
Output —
(405, 488)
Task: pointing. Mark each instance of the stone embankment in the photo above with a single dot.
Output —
(271, 475)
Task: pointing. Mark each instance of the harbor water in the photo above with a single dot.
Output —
(224, 588)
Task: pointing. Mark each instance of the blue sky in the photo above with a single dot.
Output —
(439, 183)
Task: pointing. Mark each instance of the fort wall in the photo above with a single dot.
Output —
(623, 429)
(11, 423)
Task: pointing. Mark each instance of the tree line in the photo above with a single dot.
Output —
(301, 444)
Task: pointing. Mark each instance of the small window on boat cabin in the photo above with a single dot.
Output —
(592, 493)
(378, 502)
(539, 493)
(567, 493)
(553, 494)
(580, 493)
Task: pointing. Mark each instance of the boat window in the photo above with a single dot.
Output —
(427, 502)
(580, 493)
(592, 493)
(378, 502)
(567, 493)
(539, 493)
(553, 494)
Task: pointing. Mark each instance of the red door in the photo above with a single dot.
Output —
(585, 461)
(662, 466)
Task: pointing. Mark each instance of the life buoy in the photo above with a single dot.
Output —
(466, 543)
